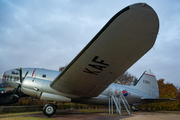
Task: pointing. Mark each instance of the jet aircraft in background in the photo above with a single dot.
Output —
(126, 37)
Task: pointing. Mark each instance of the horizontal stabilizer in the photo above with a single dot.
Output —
(153, 100)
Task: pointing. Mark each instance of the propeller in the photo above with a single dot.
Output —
(21, 79)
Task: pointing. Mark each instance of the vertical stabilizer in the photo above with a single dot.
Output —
(147, 83)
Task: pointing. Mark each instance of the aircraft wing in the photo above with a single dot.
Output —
(126, 37)
(149, 100)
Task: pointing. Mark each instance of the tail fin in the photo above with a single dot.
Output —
(147, 83)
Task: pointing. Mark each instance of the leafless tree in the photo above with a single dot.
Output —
(126, 79)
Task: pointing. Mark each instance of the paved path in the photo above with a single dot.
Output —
(76, 115)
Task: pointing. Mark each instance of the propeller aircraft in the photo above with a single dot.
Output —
(126, 37)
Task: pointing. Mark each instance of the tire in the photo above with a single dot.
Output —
(49, 110)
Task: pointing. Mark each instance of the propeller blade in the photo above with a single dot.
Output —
(20, 74)
(15, 91)
(26, 74)
(17, 88)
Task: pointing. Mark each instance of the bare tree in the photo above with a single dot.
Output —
(126, 79)
(62, 68)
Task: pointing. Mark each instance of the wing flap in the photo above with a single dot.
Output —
(120, 43)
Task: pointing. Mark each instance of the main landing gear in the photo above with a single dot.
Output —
(49, 109)
(135, 109)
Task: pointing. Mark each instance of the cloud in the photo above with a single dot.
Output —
(49, 34)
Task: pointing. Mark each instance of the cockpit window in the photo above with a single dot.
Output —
(15, 73)
(44, 76)
(12, 72)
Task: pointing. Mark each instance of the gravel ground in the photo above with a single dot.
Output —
(155, 115)
(77, 115)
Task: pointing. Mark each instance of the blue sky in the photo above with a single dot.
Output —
(49, 34)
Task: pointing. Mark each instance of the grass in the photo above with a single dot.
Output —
(23, 118)
(17, 114)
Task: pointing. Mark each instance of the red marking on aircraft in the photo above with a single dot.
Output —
(149, 74)
(3, 75)
(33, 72)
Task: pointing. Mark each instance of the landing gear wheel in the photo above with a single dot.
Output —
(135, 109)
(49, 109)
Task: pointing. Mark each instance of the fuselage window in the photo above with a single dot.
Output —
(7, 77)
(44, 76)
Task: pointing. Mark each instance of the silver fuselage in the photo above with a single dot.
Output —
(37, 84)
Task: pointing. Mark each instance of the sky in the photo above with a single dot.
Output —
(49, 34)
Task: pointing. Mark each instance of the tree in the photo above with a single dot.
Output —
(62, 68)
(178, 95)
(126, 79)
(166, 90)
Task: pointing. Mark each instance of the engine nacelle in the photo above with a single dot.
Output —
(32, 86)
(40, 88)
